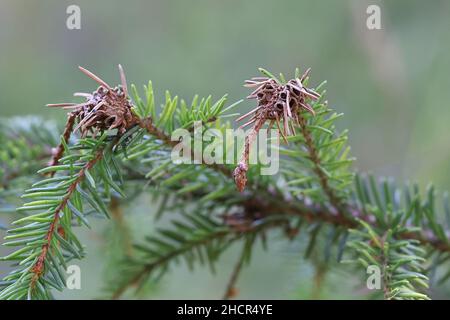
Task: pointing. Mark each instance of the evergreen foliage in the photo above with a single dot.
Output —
(357, 219)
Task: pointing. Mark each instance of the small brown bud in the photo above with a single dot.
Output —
(240, 176)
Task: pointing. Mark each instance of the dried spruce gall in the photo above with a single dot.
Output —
(106, 108)
(278, 103)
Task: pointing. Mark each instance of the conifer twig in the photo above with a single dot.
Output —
(148, 125)
(231, 290)
(388, 228)
(335, 201)
(135, 281)
(38, 267)
(58, 152)
(339, 218)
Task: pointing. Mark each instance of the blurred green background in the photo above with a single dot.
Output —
(392, 84)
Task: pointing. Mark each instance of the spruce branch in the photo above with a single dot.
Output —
(312, 213)
(194, 240)
(117, 215)
(106, 108)
(258, 201)
(335, 201)
(38, 267)
(26, 143)
(58, 152)
(163, 259)
(393, 228)
(400, 262)
(231, 290)
(151, 129)
(46, 238)
(320, 272)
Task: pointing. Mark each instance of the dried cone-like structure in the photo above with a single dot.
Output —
(106, 108)
(279, 103)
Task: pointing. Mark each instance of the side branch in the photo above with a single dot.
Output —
(335, 201)
(148, 125)
(231, 286)
(147, 268)
(278, 204)
(229, 235)
(275, 205)
(58, 152)
(38, 268)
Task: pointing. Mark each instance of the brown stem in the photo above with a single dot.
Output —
(148, 125)
(270, 203)
(231, 290)
(240, 173)
(250, 138)
(385, 272)
(281, 205)
(38, 268)
(277, 204)
(59, 150)
(319, 279)
(117, 214)
(334, 199)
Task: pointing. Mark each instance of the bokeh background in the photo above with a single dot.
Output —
(392, 84)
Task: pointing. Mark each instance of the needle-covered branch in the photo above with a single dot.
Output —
(111, 143)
